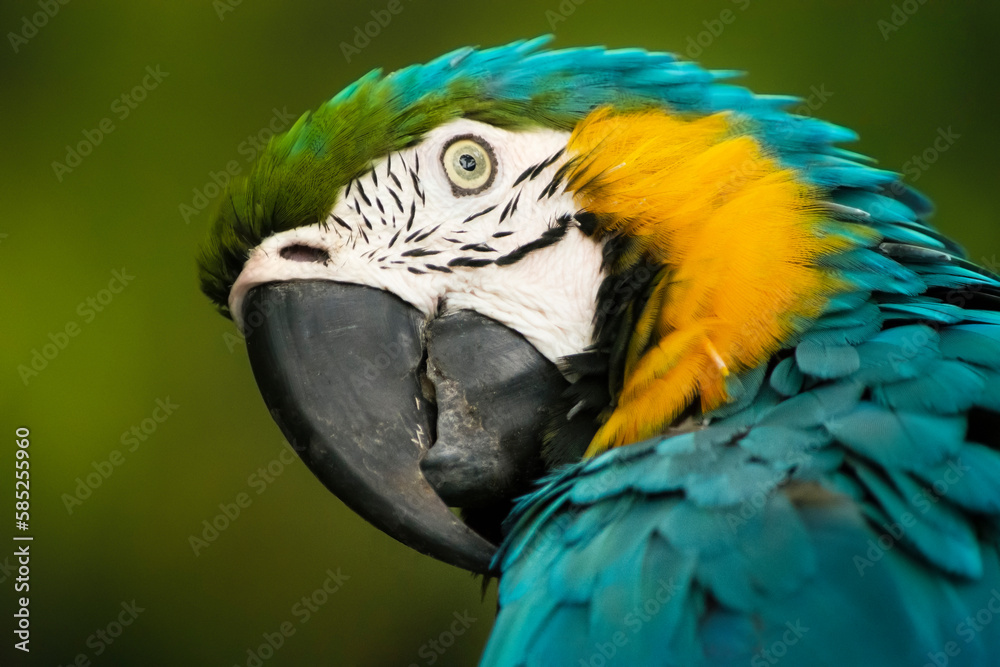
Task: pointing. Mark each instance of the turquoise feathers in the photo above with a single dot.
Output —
(850, 494)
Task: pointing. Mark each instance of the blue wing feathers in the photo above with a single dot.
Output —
(977, 468)
(896, 523)
(896, 438)
(948, 387)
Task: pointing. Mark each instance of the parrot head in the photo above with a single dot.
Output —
(458, 276)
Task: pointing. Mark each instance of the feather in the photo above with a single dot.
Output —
(974, 343)
(945, 387)
(826, 361)
(955, 550)
(897, 439)
(786, 378)
(968, 480)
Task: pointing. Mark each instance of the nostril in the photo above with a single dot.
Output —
(304, 253)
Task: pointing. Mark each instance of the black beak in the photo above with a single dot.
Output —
(343, 371)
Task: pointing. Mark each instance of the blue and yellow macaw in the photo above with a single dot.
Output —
(713, 384)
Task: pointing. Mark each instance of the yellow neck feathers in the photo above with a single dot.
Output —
(738, 236)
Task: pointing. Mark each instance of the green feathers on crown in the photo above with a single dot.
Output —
(296, 179)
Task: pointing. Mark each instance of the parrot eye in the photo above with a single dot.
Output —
(470, 164)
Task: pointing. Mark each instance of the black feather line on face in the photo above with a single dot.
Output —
(548, 237)
(364, 196)
(534, 170)
(524, 174)
(419, 252)
(476, 215)
(413, 211)
(395, 197)
(389, 172)
(557, 179)
(506, 210)
(416, 185)
(340, 221)
(435, 267)
(545, 164)
(477, 247)
(470, 262)
(424, 236)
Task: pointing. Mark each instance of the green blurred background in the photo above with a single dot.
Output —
(224, 67)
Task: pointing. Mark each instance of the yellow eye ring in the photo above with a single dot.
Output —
(470, 164)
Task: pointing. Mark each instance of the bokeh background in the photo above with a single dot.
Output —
(899, 73)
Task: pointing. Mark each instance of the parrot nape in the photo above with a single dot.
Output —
(707, 387)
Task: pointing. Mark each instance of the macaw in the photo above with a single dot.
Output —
(708, 388)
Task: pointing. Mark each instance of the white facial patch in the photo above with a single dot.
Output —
(509, 250)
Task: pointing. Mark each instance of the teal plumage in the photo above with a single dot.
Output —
(861, 510)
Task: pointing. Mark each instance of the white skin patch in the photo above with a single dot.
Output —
(401, 227)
